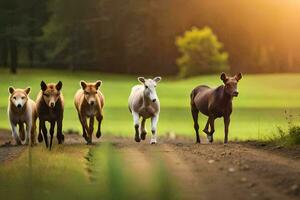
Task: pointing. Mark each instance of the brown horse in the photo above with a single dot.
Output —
(214, 103)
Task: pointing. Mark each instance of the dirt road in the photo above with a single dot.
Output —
(206, 171)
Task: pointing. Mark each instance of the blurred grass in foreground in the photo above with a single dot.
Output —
(81, 172)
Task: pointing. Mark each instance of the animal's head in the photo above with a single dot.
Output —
(231, 83)
(18, 97)
(150, 87)
(51, 93)
(90, 91)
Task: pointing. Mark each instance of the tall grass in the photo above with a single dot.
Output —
(289, 136)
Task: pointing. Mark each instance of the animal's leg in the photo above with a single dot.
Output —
(143, 129)
(52, 126)
(33, 134)
(44, 130)
(84, 127)
(60, 136)
(21, 131)
(91, 129)
(195, 114)
(154, 121)
(205, 130)
(136, 126)
(99, 119)
(27, 133)
(40, 137)
(210, 137)
(14, 131)
(226, 125)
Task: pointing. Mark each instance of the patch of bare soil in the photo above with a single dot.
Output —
(218, 171)
(8, 149)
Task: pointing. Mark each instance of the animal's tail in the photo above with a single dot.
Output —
(193, 94)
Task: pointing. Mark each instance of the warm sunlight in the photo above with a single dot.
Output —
(149, 99)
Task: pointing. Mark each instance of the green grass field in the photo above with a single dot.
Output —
(258, 110)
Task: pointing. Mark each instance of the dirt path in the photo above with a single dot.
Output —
(206, 171)
(217, 171)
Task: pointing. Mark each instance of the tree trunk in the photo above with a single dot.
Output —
(13, 56)
(31, 53)
(4, 53)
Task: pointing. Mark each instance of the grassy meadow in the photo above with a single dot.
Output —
(258, 111)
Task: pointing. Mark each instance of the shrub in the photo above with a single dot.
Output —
(200, 53)
(288, 137)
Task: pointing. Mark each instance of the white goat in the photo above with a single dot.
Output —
(143, 102)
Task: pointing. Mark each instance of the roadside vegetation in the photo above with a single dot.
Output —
(289, 136)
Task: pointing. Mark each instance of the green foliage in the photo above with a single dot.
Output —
(200, 53)
(288, 137)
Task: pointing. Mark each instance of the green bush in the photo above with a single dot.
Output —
(201, 52)
(289, 137)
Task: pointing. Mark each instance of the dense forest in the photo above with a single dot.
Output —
(138, 36)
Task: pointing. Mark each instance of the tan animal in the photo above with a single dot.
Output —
(89, 102)
(22, 110)
(50, 107)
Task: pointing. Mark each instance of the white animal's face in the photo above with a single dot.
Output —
(150, 87)
(18, 97)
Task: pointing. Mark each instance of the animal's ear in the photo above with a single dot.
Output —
(157, 79)
(141, 79)
(43, 86)
(98, 84)
(59, 85)
(83, 84)
(224, 77)
(27, 90)
(11, 89)
(238, 76)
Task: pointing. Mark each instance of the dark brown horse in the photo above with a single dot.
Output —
(214, 103)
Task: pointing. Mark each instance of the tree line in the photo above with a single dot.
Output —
(138, 36)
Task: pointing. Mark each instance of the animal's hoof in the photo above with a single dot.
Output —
(89, 143)
(62, 138)
(85, 137)
(98, 134)
(210, 138)
(153, 141)
(143, 135)
(40, 138)
(33, 144)
(198, 142)
(18, 142)
(137, 139)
